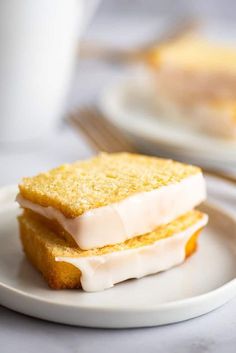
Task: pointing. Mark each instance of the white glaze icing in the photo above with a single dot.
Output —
(135, 215)
(102, 272)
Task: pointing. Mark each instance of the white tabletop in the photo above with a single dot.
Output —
(214, 332)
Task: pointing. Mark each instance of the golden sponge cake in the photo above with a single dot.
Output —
(195, 68)
(108, 178)
(196, 84)
(187, 53)
(112, 197)
(99, 222)
(51, 255)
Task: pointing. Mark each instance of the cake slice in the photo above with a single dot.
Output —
(196, 84)
(194, 68)
(213, 117)
(66, 266)
(112, 197)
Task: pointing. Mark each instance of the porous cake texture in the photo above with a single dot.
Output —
(42, 246)
(105, 179)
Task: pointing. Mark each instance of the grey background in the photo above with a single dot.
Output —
(201, 8)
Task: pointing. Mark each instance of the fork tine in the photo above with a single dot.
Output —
(89, 133)
(93, 126)
(105, 133)
(116, 133)
(100, 133)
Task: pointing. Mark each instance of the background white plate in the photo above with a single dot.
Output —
(204, 282)
(130, 105)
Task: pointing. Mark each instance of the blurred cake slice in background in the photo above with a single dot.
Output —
(196, 67)
(196, 84)
(213, 117)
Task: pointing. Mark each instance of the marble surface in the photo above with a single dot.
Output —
(214, 332)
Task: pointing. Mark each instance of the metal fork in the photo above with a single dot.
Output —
(99, 132)
(104, 136)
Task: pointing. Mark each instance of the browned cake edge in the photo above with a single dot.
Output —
(53, 225)
(61, 275)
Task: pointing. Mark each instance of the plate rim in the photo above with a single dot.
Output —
(107, 108)
(19, 296)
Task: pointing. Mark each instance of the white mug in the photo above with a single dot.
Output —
(39, 43)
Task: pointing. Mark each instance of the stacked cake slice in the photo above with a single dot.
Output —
(196, 84)
(116, 216)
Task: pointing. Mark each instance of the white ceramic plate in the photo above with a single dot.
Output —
(204, 282)
(130, 105)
